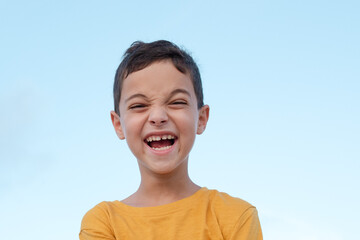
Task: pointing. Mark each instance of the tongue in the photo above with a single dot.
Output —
(161, 143)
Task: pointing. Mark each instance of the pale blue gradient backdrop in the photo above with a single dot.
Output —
(281, 78)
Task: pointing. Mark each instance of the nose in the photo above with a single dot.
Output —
(158, 116)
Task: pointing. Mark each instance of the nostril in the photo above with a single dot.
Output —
(158, 116)
(160, 122)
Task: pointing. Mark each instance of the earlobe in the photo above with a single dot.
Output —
(203, 119)
(115, 119)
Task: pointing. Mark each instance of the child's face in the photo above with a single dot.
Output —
(159, 117)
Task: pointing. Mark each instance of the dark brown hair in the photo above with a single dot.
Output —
(140, 55)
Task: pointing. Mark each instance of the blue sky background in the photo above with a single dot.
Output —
(281, 78)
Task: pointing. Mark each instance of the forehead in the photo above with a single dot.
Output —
(158, 78)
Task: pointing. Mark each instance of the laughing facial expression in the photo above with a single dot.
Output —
(159, 117)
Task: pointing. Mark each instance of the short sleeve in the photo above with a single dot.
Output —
(248, 226)
(95, 225)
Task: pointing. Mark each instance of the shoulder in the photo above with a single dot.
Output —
(225, 202)
(101, 210)
(97, 221)
(233, 214)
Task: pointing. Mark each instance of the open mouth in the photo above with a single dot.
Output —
(162, 142)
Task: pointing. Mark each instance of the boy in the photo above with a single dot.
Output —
(159, 109)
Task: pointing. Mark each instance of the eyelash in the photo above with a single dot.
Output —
(178, 102)
(137, 106)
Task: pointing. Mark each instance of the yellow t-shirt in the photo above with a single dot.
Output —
(207, 214)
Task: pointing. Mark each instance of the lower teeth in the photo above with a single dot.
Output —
(162, 148)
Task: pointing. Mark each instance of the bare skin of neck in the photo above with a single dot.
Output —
(160, 189)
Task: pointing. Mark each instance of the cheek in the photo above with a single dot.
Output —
(132, 132)
(188, 122)
(131, 127)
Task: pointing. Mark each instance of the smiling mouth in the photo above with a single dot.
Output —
(162, 142)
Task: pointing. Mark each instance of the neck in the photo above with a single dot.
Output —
(164, 187)
(160, 189)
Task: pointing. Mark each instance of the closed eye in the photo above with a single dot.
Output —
(137, 106)
(179, 102)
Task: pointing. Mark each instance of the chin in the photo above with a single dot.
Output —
(163, 168)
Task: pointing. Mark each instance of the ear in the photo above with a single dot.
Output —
(203, 119)
(115, 119)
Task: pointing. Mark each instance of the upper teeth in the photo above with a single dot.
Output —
(158, 138)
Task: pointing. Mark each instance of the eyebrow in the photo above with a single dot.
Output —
(179, 90)
(135, 96)
(176, 91)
